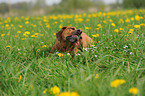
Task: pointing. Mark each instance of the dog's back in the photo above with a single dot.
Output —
(85, 40)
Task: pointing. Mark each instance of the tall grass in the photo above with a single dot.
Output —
(116, 55)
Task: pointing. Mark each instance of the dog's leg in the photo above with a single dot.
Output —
(73, 52)
(53, 49)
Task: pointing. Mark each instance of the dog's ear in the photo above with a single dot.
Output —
(63, 28)
(58, 34)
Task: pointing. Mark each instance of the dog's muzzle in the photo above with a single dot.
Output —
(74, 37)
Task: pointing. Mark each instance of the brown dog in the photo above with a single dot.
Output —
(70, 39)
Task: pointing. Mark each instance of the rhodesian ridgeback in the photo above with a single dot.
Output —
(70, 39)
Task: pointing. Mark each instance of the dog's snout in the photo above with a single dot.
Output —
(79, 31)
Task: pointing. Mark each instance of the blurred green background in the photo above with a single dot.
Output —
(45, 7)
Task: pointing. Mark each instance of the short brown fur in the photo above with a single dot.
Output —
(62, 45)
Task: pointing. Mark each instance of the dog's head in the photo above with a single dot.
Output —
(70, 34)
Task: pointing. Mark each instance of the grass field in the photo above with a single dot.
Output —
(113, 66)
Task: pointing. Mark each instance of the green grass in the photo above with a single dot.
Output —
(110, 59)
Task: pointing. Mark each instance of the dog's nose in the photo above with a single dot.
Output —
(79, 31)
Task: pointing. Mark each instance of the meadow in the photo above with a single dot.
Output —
(113, 66)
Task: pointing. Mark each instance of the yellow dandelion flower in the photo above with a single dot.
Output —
(98, 41)
(8, 46)
(127, 20)
(113, 24)
(18, 31)
(94, 35)
(81, 29)
(44, 46)
(5, 21)
(141, 17)
(54, 33)
(37, 50)
(130, 32)
(23, 39)
(34, 25)
(137, 18)
(104, 22)
(108, 16)
(55, 22)
(99, 25)
(60, 26)
(36, 33)
(110, 20)
(78, 20)
(12, 25)
(64, 94)
(48, 26)
(2, 35)
(69, 94)
(132, 18)
(88, 27)
(54, 90)
(44, 91)
(97, 28)
(74, 94)
(27, 18)
(27, 22)
(117, 82)
(121, 21)
(133, 90)
(92, 45)
(96, 76)
(87, 20)
(32, 35)
(137, 26)
(16, 36)
(121, 28)
(142, 24)
(7, 25)
(116, 30)
(126, 35)
(27, 32)
(60, 54)
(20, 78)
(97, 35)
(20, 26)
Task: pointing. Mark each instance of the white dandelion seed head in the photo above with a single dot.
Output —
(130, 53)
(125, 47)
(78, 54)
(86, 49)
(68, 53)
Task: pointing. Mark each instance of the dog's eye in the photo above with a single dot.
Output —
(73, 28)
